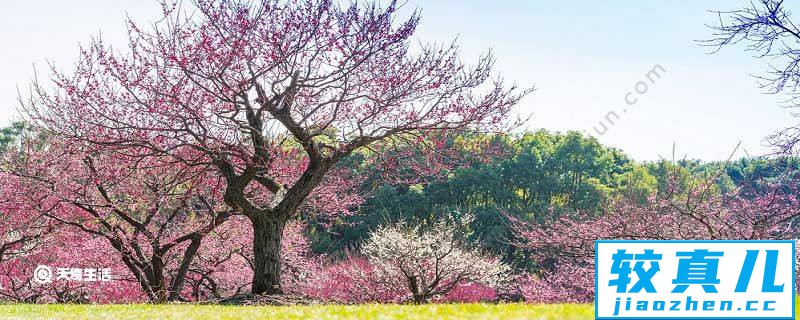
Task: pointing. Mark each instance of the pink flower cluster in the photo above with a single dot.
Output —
(563, 248)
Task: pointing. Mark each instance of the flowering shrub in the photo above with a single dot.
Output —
(567, 284)
(470, 292)
(352, 281)
(563, 248)
(422, 264)
(356, 280)
(73, 250)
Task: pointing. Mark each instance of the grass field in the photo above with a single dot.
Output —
(177, 312)
(338, 312)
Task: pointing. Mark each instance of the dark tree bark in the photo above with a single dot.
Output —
(155, 275)
(267, 234)
(177, 283)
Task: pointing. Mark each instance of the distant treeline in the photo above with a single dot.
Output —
(540, 175)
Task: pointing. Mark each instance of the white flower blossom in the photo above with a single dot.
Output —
(429, 262)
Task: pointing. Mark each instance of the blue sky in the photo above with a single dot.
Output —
(582, 56)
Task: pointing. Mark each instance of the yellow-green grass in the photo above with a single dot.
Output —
(366, 311)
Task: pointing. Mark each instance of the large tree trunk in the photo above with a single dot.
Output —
(416, 294)
(267, 235)
(155, 276)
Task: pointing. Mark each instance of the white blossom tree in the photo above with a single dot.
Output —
(429, 262)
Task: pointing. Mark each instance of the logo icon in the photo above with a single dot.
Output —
(42, 274)
(700, 279)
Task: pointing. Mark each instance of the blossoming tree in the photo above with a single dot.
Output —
(239, 86)
(153, 216)
(563, 247)
(427, 263)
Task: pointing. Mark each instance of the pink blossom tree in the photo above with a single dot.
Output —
(144, 209)
(238, 87)
(20, 230)
(21, 240)
(563, 247)
(31, 238)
